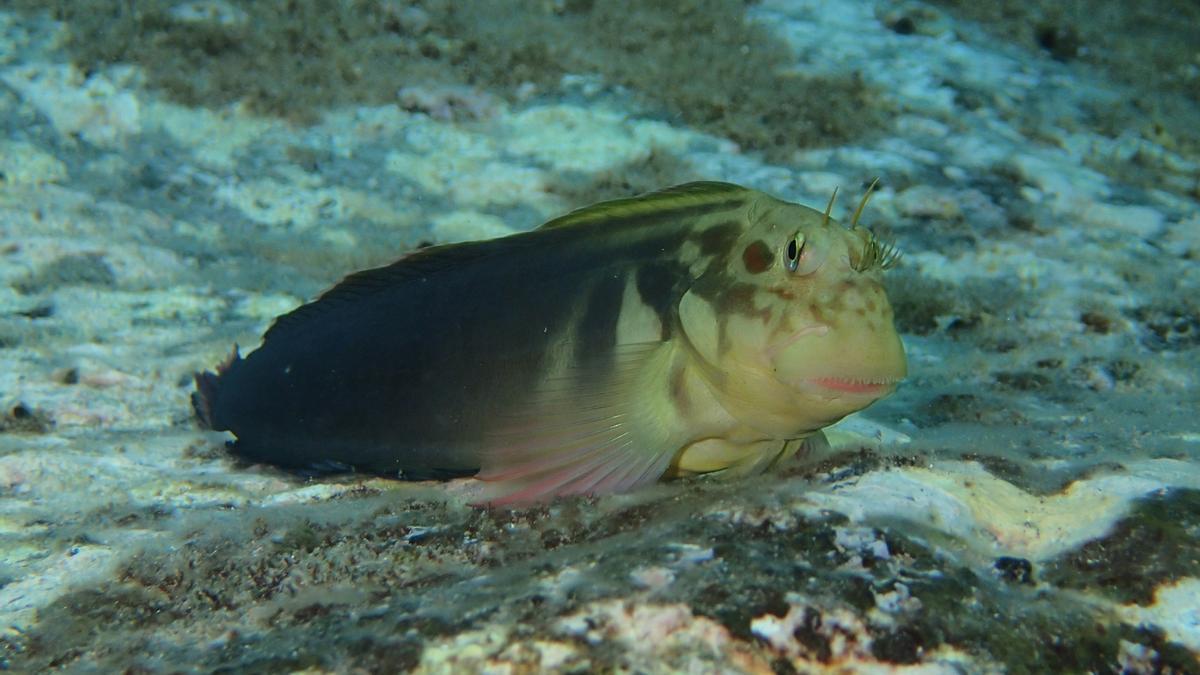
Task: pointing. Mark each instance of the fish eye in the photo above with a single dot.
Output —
(795, 248)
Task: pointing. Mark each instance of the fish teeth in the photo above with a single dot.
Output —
(862, 380)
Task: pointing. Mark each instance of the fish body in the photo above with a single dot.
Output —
(701, 328)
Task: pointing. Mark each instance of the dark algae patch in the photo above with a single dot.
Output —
(88, 269)
(1109, 33)
(22, 419)
(287, 58)
(370, 580)
(749, 89)
(633, 178)
(1156, 544)
(701, 61)
(1169, 326)
(971, 310)
(1109, 38)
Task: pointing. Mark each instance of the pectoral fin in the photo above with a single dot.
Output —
(598, 427)
(721, 458)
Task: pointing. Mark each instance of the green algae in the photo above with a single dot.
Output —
(748, 89)
(243, 569)
(974, 309)
(951, 407)
(368, 579)
(1157, 543)
(22, 419)
(1110, 34)
(1108, 39)
(295, 59)
(87, 269)
(1173, 325)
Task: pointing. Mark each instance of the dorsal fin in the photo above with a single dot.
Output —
(428, 262)
(680, 196)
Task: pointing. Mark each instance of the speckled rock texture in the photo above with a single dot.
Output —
(1029, 501)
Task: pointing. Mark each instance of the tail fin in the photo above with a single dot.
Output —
(207, 388)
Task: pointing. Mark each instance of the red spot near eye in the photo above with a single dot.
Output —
(757, 257)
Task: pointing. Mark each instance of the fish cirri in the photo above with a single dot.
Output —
(705, 327)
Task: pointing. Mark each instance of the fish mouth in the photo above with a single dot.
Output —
(873, 387)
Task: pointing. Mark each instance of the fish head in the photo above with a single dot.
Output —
(791, 322)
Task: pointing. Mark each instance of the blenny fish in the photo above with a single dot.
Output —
(705, 327)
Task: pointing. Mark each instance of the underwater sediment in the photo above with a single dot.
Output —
(1025, 502)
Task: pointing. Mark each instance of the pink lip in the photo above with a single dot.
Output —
(853, 386)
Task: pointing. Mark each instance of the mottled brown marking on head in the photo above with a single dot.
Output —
(782, 292)
(757, 257)
(871, 306)
(739, 299)
(718, 238)
(814, 310)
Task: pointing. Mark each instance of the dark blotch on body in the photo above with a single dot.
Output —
(598, 328)
(660, 287)
(739, 299)
(718, 238)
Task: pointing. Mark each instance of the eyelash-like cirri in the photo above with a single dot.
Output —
(876, 253)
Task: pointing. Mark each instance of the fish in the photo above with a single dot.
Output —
(703, 328)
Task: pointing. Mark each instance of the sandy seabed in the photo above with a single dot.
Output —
(1028, 501)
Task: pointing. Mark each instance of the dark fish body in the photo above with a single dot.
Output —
(555, 360)
(419, 355)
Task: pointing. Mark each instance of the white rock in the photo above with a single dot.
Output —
(25, 164)
(92, 107)
(1176, 610)
(468, 226)
(1140, 221)
(1060, 177)
(993, 515)
(822, 182)
(653, 578)
(80, 567)
(923, 201)
(215, 136)
(571, 138)
(465, 166)
(503, 184)
(1183, 238)
(272, 202)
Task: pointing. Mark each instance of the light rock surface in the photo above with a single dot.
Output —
(1008, 491)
